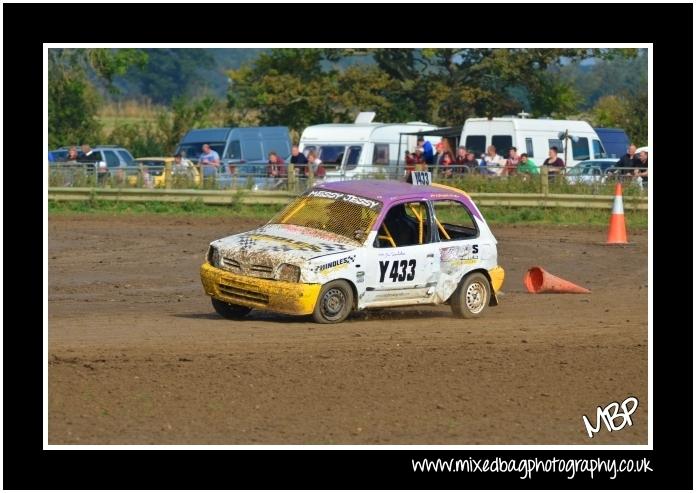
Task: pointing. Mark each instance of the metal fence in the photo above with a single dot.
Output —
(588, 180)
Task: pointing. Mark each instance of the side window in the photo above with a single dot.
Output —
(381, 155)
(558, 143)
(126, 157)
(581, 149)
(530, 147)
(476, 143)
(331, 156)
(502, 144)
(454, 221)
(404, 225)
(112, 160)
(234, 151)
(353, 156)
(597, 149)
(252, 150)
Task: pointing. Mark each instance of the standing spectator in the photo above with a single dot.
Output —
(527, 166)
(554, 163)
(209, 161)
(511, 163)
(316, 164)
(298, 158)
(471, 161)
(276, 166)
(427, 149)
(642, 171)
(494, 160)
(89, 156)
(628, 161)
(72, 156)
(447, 165)
(460, 160)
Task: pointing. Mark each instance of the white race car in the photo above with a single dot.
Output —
(358, 244)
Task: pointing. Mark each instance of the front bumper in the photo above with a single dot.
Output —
(278, 296)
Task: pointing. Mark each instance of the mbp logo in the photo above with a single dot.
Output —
(610, 414)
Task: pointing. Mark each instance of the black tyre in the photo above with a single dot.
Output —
(472, 296)
(228, 310)
(334, 304)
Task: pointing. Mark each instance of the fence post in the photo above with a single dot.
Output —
(310, 175)
(292, 182)
(168, 175)
(544, 180)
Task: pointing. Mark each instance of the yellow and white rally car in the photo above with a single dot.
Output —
(358, 244)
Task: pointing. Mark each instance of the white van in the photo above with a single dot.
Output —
(363, 148)
(533, 136)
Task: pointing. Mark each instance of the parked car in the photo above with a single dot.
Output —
(351, 245)
(590, 171)
(153, 171)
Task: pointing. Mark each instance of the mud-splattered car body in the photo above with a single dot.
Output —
(366, 243)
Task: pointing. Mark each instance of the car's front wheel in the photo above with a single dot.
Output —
(472, 296)
(334, 304)
(230, 311)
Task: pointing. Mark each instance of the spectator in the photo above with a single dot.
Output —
(181, 165)
(276, 166)
(447, 165)
(209, 161)
(460, 160)
(298, 158)
(527, 166)
(316, 164)
(442, 151)
(494, 160)
(89, 156)
(410, 161)
(427, 150)
(628, 161)
(471, 161)
(72, 156)
(511, 163)
(642, 171)
(554, 163)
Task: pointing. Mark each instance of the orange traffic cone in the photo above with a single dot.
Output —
(617, 224)
(537, 280)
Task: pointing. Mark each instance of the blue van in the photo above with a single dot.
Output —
(614, 140)
(245, 146)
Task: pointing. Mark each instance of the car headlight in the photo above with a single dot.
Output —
(213, 256)
(289, 273)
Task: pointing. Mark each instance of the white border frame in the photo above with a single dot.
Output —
(47, 446)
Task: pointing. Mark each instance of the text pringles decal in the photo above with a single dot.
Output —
(336, 264)
(345, 197)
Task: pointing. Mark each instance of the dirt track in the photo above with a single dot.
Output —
(137, 354)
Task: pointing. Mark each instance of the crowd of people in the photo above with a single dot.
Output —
(464, 160)
(425, 157)
(491, 163)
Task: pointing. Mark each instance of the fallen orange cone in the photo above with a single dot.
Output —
(617, 224)
(537, 280)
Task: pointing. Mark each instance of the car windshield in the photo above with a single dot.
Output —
(350, 216)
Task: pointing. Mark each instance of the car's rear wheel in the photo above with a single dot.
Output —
(334, 304)
(230, 311)
(472, 296)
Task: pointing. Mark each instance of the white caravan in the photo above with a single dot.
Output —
(533, 136)
(363, 148)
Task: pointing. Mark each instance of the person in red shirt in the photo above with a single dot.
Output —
(276, 166)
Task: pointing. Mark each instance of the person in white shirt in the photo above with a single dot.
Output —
(494, 160)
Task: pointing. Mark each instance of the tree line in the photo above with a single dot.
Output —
(297, 87)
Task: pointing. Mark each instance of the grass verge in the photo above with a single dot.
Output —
(494, 215)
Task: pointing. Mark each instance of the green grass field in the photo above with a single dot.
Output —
(494, 215)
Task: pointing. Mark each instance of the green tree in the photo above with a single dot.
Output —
(73, 99)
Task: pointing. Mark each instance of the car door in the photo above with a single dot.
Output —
(459, 247)
(402, 265)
